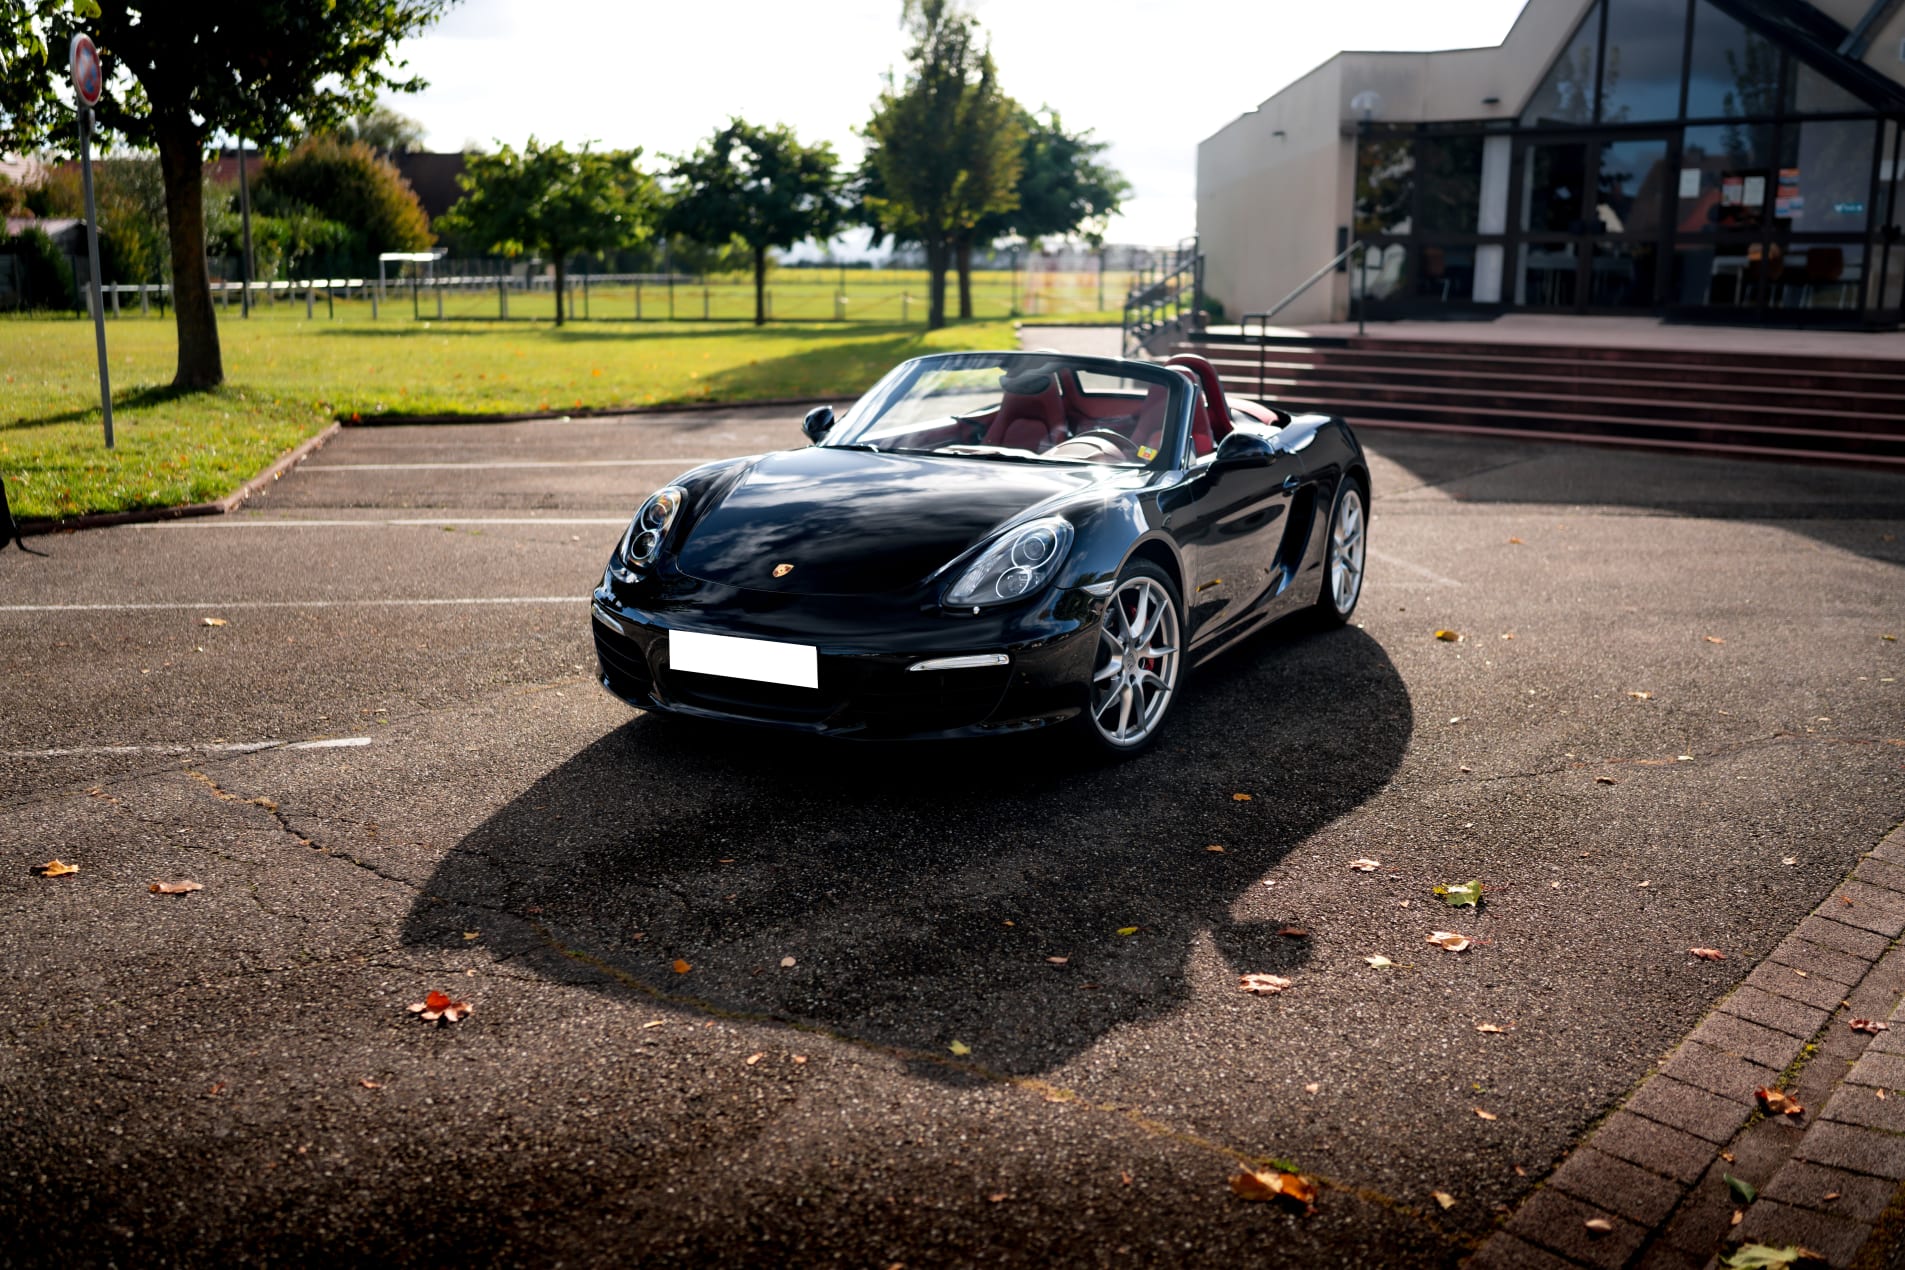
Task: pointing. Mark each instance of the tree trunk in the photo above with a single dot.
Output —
(182, 166)
(936, 286)
(964, 257)
(760, 286)
(562, 280)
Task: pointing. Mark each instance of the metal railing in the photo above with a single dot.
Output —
(1263, 319)
(1158, 298)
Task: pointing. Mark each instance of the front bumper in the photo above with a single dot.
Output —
(865, 645)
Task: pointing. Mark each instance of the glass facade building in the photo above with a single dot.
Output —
(1679, 157)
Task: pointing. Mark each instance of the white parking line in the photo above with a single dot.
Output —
(222, 606)
(1400, 563)
(209, 522)
(208, 747)
(503, 463)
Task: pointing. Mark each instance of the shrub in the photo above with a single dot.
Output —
(48, 280)
(349, 183)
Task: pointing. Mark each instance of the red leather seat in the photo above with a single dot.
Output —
(1215, 413)
(1031, 414)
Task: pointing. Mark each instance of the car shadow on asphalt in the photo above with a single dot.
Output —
(923, 890)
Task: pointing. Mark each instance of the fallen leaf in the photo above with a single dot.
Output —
(1707, 954)
(788, 963)
(1740, 1189)
(1127, 930)
(1214, 847)
(1605, 780)
(175, 888)
(1294, 932)
(1125, 1177)
(1486, 1115)
(1643, 883)
(1490, 1027)
(1443, 1198)
(1599, 1225)
(754, 1058)
(439, 1005)
(1464, 895)
(1830, 1195)
(1802, 974)
(1520, 1172)
(1449, 637)
(1449, 939)
(682, 967)
(1880, 1093)
(1514, 542)
(1240, 798)
(1365, 865)
(1767, 1257)
(1778, 1102)
(55, 869)
(960, 1048)
(1791, 859)
(654, 1023)
(211, 621)
(1379, 961)
(472, 934)
(368, 1083)
(1467, 768)
(1058, 961)
(798, 1060)
(997, 1197)
(1713, 639)
(1266, 985)
(1872, 1026)
(1248, 1183)
(1508, 634)
(1641, 696)
(1739, 1215)
(1313, 1087)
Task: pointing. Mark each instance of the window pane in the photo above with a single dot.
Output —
(1621, 275)
(1891, 208)
(1633, 186)
(1813, 94)
(1383, 275)
(1726, 176)
(1728, 276)
(1385, 186)
(1451, 184)
(1446, 274)
(1824, 188)
(1546, 276)
(1641, 75)
(1553, 178)
(1734, 71)
(1567, 94)
(1819, 276)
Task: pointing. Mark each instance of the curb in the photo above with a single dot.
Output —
(585, 412)
(1653, 1176)
(217, 507)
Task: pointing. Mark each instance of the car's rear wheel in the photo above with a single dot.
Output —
(1348, 549)
(1139, 663)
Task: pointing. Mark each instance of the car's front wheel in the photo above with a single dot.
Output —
(1139, 662)
(1348, 550)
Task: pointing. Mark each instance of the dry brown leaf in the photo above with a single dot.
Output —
(1313, 1087)
(55, 869)
(1739, 1215)
(1830, 1195)
(1486, 1115)
(1605, 780)
(1508, 634)
(997, 1197)
(788, 963)
(752, 1059)
(1365, 865)
(1777, 1102)
(175, 888)
(1707, 954)
(1599, 1226)
(439, 1005)
(1058, 961)
(1450, 940)
(960, 1049)
(1125, 1177)
(368, 1083)
(1266, 985)
(798, 1060)
(654, 1023)
(1295, 932)
(1443, 1198)
(1641, 696)
(1520, 1172)
(682, 967)
(1880, 1094)
(1240, 798)
(1378, 961)
(1248, 1183)
(1514, 542)
(1490, 1027)
(1214, 847)
(1449, 637)
(211, 621)
(1713, 639)
(1872, 1026)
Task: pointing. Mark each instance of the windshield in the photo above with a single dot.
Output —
(1023, 407)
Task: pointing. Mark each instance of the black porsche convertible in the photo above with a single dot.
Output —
(986, 543)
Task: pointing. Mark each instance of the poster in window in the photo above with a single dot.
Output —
(1754, 193)
(1787, 200)
(1730, 191)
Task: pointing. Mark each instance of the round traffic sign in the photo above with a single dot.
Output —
(87, 77)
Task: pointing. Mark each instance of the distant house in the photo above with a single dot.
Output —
(433, 177)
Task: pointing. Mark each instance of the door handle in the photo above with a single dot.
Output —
(1290, 483)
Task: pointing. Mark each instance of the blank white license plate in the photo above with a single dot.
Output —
(762, 660)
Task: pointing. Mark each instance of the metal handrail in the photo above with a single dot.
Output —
(1263, 319)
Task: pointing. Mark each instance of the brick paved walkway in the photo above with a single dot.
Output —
(1831, 1180)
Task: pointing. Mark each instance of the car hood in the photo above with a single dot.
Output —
(853, 522)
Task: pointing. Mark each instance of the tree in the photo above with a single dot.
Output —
(1063, 191)
(180, 72)
(350, 183)
(384, 130)
(942, 144)
(552, 201)
(760, 185)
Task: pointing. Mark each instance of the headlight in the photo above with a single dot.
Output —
(1015, 566)
(646, 533)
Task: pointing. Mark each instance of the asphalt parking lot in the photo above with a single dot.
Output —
(1673, 720)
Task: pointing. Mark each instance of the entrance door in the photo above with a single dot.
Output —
(1592, 220)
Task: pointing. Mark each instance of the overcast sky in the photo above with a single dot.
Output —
(1152, 77)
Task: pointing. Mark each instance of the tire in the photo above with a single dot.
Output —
(1346, 546)
(1125, 709)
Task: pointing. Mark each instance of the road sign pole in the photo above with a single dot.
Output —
(244, 209)
(92, 259)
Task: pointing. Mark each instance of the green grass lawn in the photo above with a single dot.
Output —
(288, 378)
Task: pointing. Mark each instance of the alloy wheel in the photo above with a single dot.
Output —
(1137, 665)
(1346, 550)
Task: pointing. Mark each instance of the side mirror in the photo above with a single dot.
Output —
(818, 423)
(1244, 449)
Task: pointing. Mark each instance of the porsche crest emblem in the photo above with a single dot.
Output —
(782, 570)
